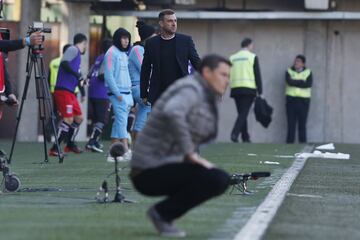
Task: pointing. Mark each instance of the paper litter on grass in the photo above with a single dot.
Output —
(284, 156)
(329, 146)
(269, 162)
(328, 155)
(252, 154)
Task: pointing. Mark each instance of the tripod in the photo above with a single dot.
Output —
(35, 62)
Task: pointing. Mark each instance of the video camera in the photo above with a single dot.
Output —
(38, 27)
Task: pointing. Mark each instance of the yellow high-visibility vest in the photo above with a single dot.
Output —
(54, 69)
(242, 70)
(296, 91)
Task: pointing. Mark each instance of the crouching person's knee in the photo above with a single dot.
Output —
(218, 181)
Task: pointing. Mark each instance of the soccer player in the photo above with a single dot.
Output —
(69, 77)
(99, 99)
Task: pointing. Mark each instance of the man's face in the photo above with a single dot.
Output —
(218, 79)
(251, 47)
(82, 47)
(298, 63)
(169, 24)
(124, 42)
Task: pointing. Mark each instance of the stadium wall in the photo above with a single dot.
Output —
(332, 49)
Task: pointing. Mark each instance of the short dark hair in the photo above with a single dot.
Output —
(165, 12)
(65, 47)
(213, 61)
(79, 37)
(301, 57)
(246, 42)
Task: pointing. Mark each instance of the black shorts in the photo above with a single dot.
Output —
(99, 110)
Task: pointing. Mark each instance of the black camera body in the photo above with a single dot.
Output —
(38, 27)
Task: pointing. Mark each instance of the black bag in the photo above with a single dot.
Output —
(263, 111)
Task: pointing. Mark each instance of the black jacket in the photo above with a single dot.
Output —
(11, 45)
(150, 82)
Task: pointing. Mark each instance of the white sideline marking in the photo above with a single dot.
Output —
(255, 228)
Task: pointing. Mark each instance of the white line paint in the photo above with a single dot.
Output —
(256, 227)
(303, 195)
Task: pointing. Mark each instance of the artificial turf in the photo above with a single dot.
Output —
(323, 202)
(73, 213)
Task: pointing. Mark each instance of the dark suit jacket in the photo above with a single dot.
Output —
(150, 82)
(11, 45)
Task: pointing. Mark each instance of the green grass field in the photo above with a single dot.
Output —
(73, 213)
(324, 201)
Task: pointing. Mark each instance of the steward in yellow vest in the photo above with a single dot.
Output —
(298, 93)
(245, 82)
(53, 72)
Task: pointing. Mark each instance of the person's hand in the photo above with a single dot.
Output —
(120, 98)
(195, 158)
(13, 100)
(145, 101)
(36, 38)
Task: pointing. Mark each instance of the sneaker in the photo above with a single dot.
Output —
(110, 159)
(164, 228)
(93, 148)
(53, 152)
(73, 148)
(127, 156)
(99, 145)
(234, 138)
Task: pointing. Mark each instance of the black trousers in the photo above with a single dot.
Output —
(186, 185)
(297, 110)
(99, 110)
(243, 104)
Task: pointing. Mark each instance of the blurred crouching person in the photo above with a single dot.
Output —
(165, 162)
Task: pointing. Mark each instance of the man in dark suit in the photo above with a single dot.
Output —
(166, 58)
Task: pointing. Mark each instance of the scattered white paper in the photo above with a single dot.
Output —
(269, 162)
(252, 154)
(329, 146)
(328, 155)
(284, 156)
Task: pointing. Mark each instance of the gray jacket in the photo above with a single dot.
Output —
(184, 117)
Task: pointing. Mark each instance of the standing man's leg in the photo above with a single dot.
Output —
(291, 119)
(100, 107)
(243, 105)
(142, 112)
(119, 129)
(64, 105)
(74, 128)
(303, 111)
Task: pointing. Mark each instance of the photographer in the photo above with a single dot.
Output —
(6, 93)
(35, 38)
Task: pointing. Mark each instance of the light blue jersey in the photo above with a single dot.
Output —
(135, 61)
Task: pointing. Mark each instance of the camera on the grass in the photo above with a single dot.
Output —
(38, 27)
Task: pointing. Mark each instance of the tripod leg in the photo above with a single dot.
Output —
(45, 102)
(29, 65)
